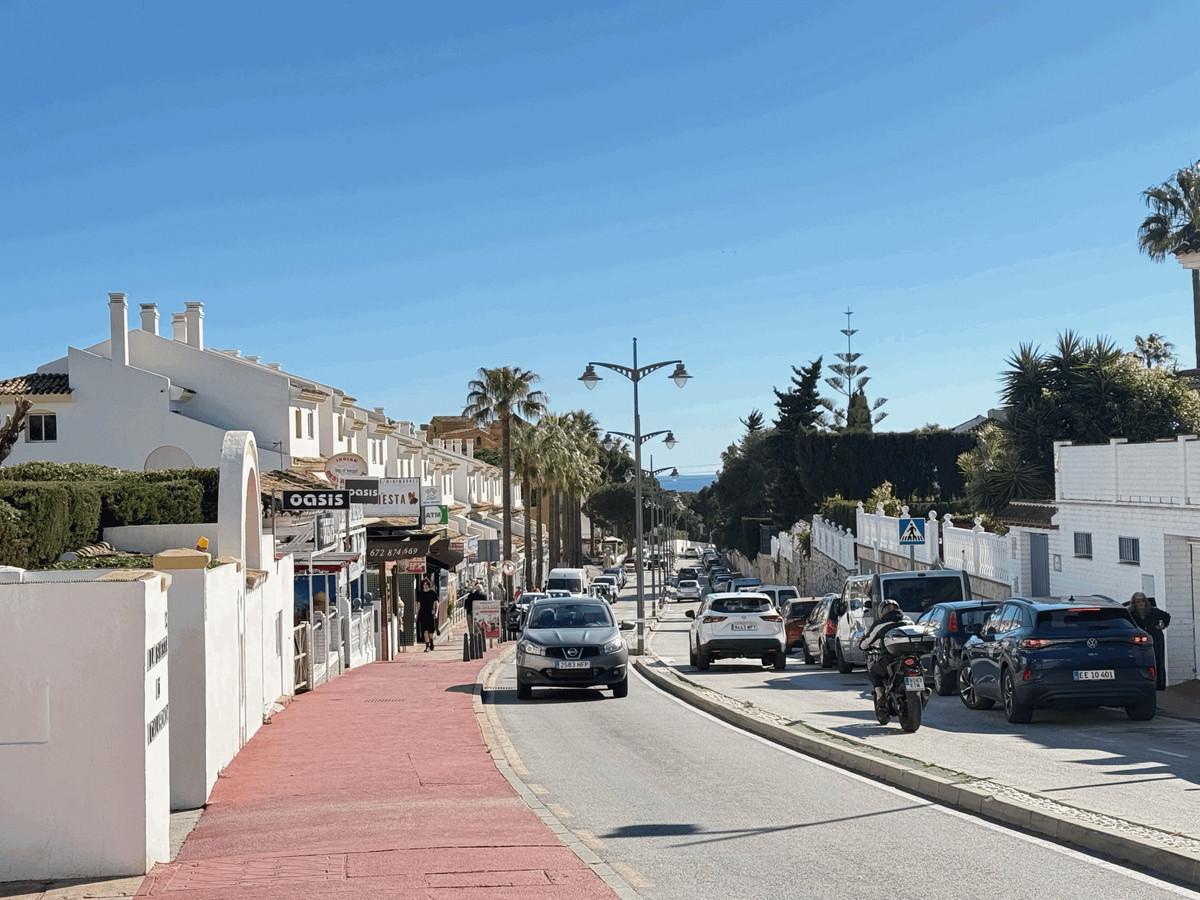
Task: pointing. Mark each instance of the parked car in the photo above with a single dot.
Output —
(914, 591)
(949, 624)
(795, 613)
(1066, 652)
(689, 589)
(691, 553)
(780, 594)
(689, 572)
(619, 573)
(820, 632)
(572, 643)
(607, 583)
(742, 583)
(731, 626)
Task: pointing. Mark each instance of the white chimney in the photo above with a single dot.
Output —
(253, 359)
(275, 366)
(118, 326)
(150, 317)
(194, 311)
(179, 327)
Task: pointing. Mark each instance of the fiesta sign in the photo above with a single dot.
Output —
(303, 500)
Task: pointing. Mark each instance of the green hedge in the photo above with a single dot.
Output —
(844, 512)
(12, 534)
(55, 471)
(135, 502)
(208, 479)
(918, 464)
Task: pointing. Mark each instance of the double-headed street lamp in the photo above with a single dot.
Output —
(657, 517)
(635, 374)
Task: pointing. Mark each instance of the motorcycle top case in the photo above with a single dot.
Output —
(907, 639)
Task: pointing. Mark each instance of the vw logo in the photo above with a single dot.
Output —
(1092, 643)
(572, 652)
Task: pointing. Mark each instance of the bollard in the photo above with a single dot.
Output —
(466, 648)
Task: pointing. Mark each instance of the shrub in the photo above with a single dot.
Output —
(138, 502)
(56, 471)
(45, 511)
(852, 464)
(207, 478)
(12, 535)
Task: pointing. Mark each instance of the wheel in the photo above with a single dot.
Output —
(826, 657)
(844, 667)
(1144, 711)
(882, 716)
(809, 659)
(692, 655)
(910, 716)
(621, 688)
(1014, 710)
(702, 659)
(943, 682)
(966, 691)
(780, 661)
(524, 691)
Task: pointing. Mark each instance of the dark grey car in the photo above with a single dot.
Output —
(572, 642)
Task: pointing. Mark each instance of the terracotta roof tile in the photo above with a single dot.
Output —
(36, 384)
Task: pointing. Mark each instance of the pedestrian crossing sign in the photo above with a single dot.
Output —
(912, 532)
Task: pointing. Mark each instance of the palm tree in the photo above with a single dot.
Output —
(499, 395)
(1173, 226)
(525, 452)
(1154, 350)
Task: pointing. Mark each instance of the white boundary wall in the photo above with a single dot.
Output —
(84, 776)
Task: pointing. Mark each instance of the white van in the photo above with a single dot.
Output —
(573, 580)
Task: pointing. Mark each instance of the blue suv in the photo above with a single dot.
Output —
(1067, 653)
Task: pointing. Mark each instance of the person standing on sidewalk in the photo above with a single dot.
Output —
(427, 602)
(1152, 620)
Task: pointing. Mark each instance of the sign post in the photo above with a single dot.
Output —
(912, 535)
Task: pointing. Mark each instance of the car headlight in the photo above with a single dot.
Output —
(614, 645)
(533, 649)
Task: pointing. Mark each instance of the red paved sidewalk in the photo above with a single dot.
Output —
(377, 785)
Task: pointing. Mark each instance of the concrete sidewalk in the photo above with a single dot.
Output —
(377, 785)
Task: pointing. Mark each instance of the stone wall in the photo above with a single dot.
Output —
(812, 574)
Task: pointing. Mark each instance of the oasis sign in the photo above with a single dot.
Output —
(298, 501)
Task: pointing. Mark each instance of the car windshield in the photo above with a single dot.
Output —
(746, 604)
(1090, 619)
(916, 595)
(571, 615)
(689, 584)
(574, 585)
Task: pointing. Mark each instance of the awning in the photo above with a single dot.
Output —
(441, 552)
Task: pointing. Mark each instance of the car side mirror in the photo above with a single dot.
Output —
(626, 626)
(691, 613)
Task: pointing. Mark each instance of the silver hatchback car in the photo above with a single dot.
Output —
(572, 642)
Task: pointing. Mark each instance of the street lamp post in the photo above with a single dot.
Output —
(635, 374)
(658, 512)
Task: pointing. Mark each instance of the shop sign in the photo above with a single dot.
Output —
(435, 515)
(341, 466)
(363, 490)
(384, 550)
(397, 497)
(302, 501)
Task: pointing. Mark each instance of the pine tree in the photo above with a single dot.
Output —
(858, 413)
(800, 407)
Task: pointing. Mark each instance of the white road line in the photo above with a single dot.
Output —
(1169, 753)
(930, 804)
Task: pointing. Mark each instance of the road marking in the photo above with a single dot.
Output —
(630, 874)
(929, 804)
(559, 810)
(538, 789)
(1169, 753)
(590, 840)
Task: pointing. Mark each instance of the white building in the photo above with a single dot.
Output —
(1129, 520)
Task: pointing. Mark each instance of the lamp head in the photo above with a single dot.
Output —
(670, 441)
(589, 377)
(680, 376)
(609, 442)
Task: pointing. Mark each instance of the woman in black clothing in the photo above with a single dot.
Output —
(427, 603)
(1152, 620)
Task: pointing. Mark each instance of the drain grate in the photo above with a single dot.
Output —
(384, 700)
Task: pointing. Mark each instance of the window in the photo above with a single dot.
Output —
(1083, 544)
(1129, 550)
(43, 427)
(310, 423)
(299, 423)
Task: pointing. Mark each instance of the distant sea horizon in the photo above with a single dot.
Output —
(689, 483)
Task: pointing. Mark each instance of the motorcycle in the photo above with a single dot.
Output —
(904, 685)
(516, 616)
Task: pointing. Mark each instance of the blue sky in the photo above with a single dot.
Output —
(387, 196)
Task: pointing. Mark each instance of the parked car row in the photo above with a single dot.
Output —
(1021, 653)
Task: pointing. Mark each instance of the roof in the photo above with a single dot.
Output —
(277, 480)
(1189, 244)
(1029, 513)
(36, 383)
(967, 604)
(1047, 603)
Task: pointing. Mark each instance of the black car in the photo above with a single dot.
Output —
(1068, 652)
(949, 624)
(820, 632)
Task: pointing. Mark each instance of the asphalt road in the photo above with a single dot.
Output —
(1145, 772)
(686, 807)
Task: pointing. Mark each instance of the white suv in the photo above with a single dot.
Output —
(689, 589)
(731, 626)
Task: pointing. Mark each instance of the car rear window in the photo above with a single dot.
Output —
(803, 608)
(689, 584)
(969, 617)
(746, 604)
(1073, 619)
(918, 594)
(788, 594)
(574, 585)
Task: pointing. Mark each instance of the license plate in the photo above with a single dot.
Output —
(914, 683)
(747, 626)
(572, 664)
(1095, 675)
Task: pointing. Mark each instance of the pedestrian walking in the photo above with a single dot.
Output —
(427, 603)
(1152, 620)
